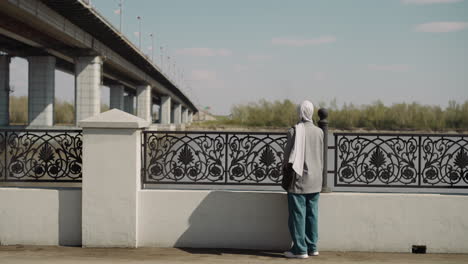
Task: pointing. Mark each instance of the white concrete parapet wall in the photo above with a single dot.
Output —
(111, 179)
(347, 221)
(117, 213)
(40, 216)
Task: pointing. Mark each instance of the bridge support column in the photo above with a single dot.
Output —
(41, 91)
(190, 117)
(184, 115)
(4, 90)
(165, 110)
(128, 103)
(144, 102)
(177, 111)
(88, 76)
(117, 97)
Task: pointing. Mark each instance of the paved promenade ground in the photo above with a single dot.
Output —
(76, 255)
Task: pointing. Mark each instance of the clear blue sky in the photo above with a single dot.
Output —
(352, 51)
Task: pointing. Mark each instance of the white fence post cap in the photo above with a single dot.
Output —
(114, 118)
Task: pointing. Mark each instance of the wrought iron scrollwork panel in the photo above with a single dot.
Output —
(42, 156)
(444, 161)
(212, 158)
(184, 158)
(422, 160)
(374, 160)
(255, 158)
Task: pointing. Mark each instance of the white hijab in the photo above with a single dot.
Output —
(306, 110)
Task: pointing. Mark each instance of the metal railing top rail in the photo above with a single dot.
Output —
(405, 134)
(212, 132)
(382, 134)
(38, 130)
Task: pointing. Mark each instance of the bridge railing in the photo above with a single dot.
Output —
(401, 160)
(360, 159)
(227, 158)
(48, 155)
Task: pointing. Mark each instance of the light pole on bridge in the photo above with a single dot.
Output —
(139, 31)
(162, 57)
(119, 12)
(152, 47)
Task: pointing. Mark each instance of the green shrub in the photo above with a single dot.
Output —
(64, 113)
(19, 110)
(265, 114)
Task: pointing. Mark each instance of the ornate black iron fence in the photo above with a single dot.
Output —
(40, 155)
(401, 160)
(212, 158)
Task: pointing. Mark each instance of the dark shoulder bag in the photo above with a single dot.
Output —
(288, 175)
(288, 172)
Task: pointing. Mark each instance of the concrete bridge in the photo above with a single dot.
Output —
(71, 36)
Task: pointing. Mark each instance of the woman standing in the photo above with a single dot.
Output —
(304, 150)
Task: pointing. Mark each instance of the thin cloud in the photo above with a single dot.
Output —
(441, 27)
(389, 67)
(204, 52)
(429, 2)
(224, 52)
(259, 58)
(298, 42)
(202, 75)
(240, 68)
(319, 76)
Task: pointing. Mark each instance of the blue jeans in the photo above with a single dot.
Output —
(303, 222)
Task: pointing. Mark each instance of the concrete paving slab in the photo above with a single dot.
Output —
(77, 255)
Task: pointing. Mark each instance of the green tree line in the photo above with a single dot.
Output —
(64, 111)
(401, 116)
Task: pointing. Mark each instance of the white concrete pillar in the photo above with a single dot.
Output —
(177, 112)
(165, 110)
(88, 76)
(4, 90)
(190, 117)
(41, 91)
(111, 179)
(128, 103)
(152, 111)
(184, 115)
(144, 102)
(117, 97)
(155, 113)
